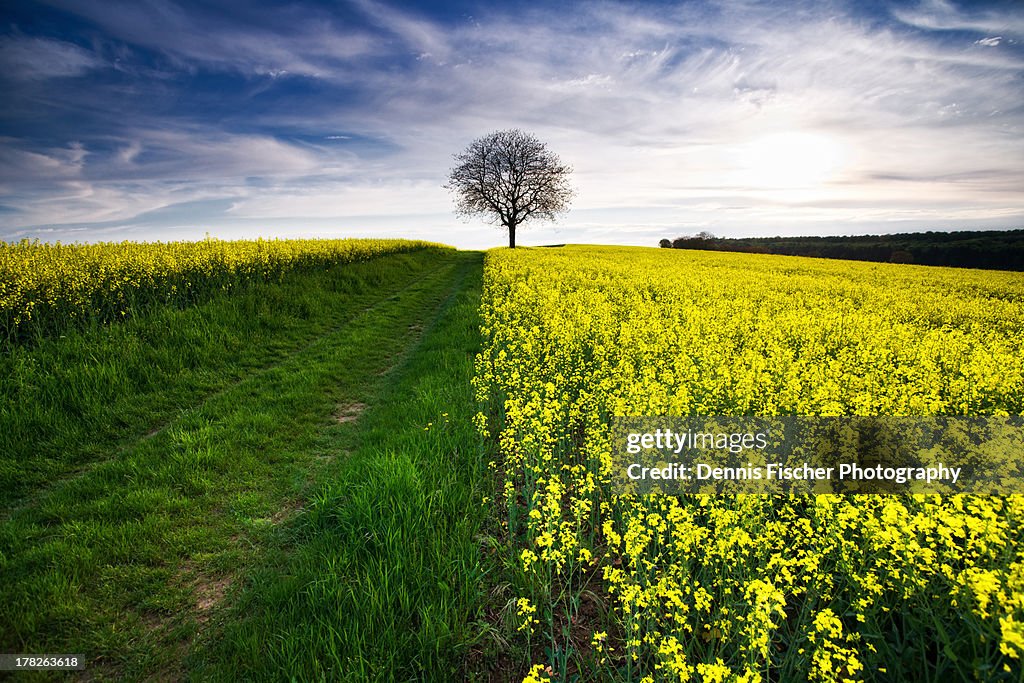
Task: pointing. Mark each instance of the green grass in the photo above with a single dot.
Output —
(87, 395)
(380, 578)
(247, 487)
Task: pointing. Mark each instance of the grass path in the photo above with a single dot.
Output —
(295, 517)
(379, 579)
(77, 399)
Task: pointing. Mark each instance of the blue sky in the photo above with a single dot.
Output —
(160, 119)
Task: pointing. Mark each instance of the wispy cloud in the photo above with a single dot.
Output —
(28, 58)
(942, 15)
(670, 115)
(295, 39)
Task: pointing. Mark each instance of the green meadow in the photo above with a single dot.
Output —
(280, 481)
(381, 461)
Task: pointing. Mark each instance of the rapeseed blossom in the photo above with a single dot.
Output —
(749, 587)
(46, 288)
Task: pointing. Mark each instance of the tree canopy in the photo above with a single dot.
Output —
(509, 177)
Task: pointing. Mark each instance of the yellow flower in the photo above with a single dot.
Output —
(537, 675)
(1013, 637)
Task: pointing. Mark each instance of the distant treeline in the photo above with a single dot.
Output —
(999, 250)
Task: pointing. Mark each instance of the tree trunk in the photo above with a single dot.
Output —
(512, 236)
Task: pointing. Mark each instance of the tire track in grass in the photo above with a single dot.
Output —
(41, 493)
(380, 577)
(51, 435)
(124, 562)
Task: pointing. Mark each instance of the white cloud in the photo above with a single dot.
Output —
(288, 40)
(657, 111)
(942, 15)
(26, 58)
(989, 42)
(56, 163)
(590, 80)
(421, 37)
(352, 198)
(185, 154)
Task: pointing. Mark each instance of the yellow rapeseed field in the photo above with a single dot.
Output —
(45, 288)
(611, 586)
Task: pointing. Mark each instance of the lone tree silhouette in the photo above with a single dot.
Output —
(509, 177)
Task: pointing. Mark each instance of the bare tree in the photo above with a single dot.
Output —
(509, 177)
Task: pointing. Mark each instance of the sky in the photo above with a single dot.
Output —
(174, 120)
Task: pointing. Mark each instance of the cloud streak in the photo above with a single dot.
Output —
(27, 58)
(669, 114)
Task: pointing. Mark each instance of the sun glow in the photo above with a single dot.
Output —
(793, 160)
